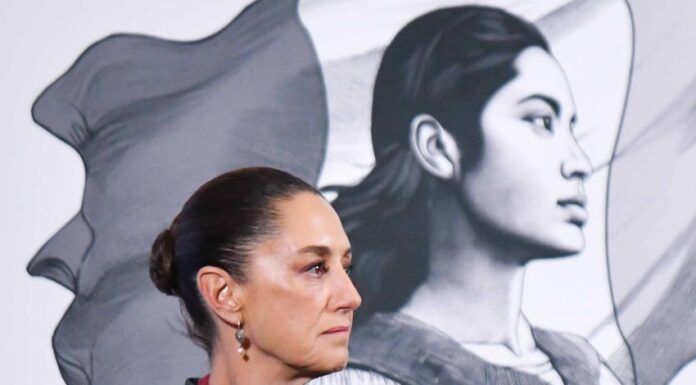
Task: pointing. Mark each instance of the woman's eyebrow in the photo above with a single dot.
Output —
(553, 103)
(315, 249)
(321, 250)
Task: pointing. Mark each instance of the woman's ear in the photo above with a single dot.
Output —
(223, 295)
(434, 147)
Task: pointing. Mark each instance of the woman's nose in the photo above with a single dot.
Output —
(576, 164)
(346, 296)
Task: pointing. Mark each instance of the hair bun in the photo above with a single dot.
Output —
(162, 271)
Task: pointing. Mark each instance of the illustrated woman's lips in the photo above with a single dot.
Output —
(575, 207)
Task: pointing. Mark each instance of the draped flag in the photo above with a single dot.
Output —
(152, 120)
(651, 211)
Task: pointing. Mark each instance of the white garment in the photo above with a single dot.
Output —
(351, 376)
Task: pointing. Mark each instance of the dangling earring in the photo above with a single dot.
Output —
(239, 336)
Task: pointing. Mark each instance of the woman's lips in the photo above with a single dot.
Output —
(337, 330)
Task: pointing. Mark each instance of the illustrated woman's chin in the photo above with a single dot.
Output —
(567, 240)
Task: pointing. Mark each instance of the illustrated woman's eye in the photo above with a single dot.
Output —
(541, 121)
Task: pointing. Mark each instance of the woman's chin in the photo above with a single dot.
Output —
(333, 361)
(324, 359)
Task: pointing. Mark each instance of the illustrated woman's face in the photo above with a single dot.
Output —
(299, 299)
(528, 185)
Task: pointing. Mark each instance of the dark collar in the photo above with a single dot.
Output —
(198, 381)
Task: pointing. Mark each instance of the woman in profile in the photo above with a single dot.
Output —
(260, 262)
(477, 172)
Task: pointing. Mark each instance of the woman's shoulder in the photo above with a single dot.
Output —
(353, 376)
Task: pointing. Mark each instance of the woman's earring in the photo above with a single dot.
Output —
(240, 337)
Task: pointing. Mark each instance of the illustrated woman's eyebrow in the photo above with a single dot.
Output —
(553, 103)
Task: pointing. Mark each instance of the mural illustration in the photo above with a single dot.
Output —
(477, 173)
(501, 180)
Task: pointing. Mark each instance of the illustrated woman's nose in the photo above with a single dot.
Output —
(577, 165)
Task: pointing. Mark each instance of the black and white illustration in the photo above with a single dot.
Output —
(477, 173)
(513, 177)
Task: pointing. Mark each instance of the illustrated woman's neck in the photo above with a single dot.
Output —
(474, 289)
(227, 367)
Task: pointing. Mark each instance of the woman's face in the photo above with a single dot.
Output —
(299, 299)
(528, 185)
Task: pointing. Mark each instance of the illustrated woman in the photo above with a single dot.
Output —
(260, 262)
(477, 172)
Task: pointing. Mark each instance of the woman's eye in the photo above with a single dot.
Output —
(317, 269)
(545, 122)
(348, 269)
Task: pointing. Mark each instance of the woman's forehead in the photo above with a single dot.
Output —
(307, 219)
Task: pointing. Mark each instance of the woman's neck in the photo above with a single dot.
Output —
(228, 367)
(474, 288)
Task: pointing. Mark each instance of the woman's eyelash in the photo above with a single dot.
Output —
(318, 268)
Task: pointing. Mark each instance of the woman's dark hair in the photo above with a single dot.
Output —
(447, 63)
(218, 226)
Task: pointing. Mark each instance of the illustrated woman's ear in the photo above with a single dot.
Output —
(434, 147)
(221, 293)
